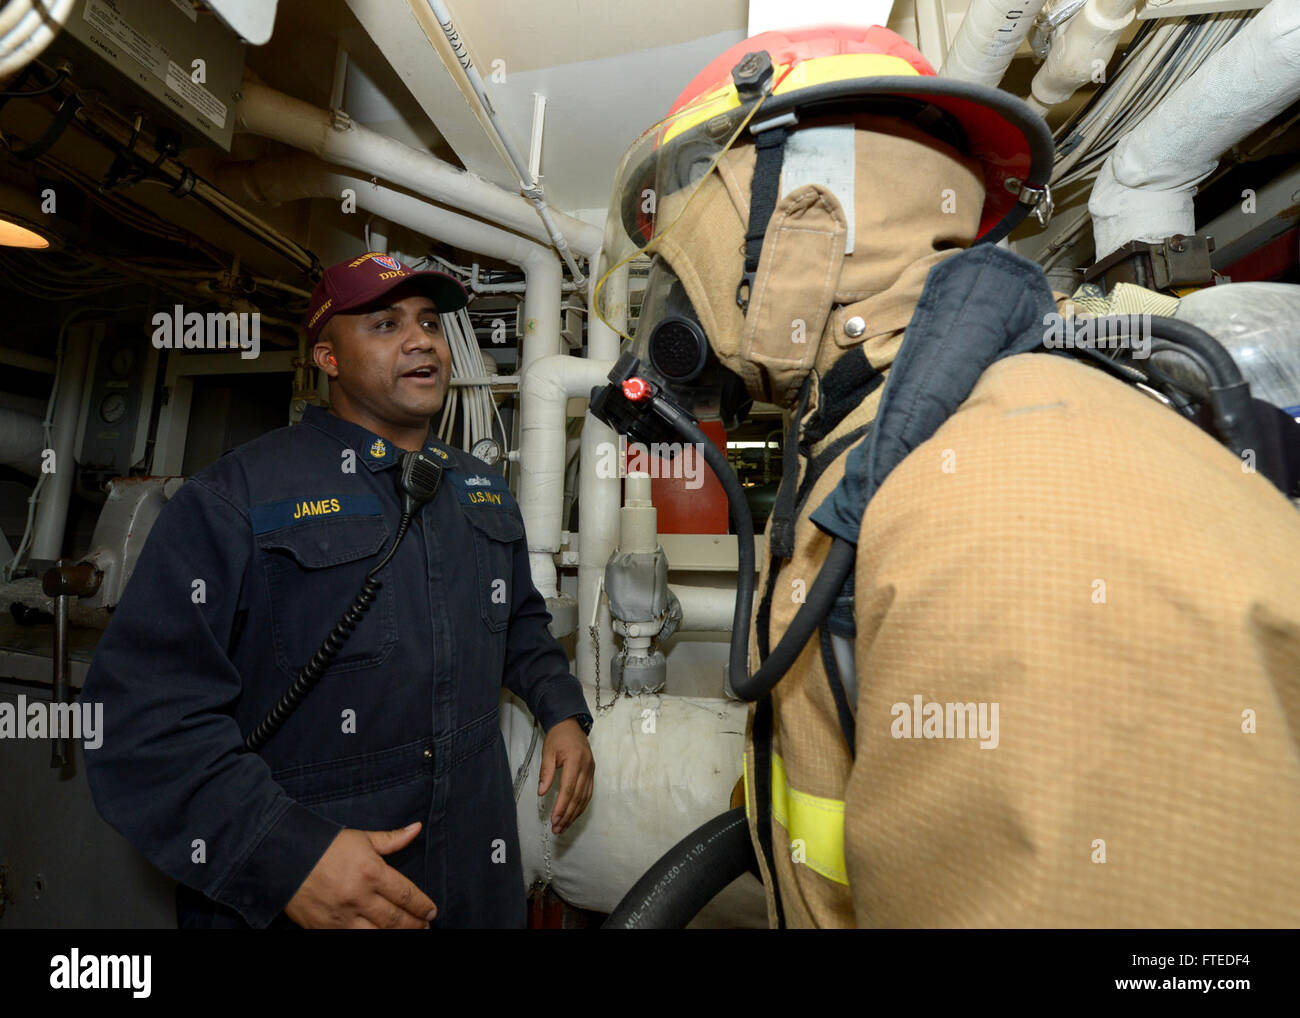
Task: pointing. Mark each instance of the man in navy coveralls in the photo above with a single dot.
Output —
(386, 800)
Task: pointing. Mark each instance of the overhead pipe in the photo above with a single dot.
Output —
(988, 38)
(1145, 188)
(529, 186)
(107, 124)
(270, 114)
(1054, 14)
(26, 28)
(1087, 41)
(27, 361)
(294, 177)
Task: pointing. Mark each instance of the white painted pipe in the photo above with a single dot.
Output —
(27, 361)
(705, 609)
(638, 520)
(33, 27)
(1145, 188)
(542, 300)
(598, 493)
(270, 114)
(931, 31)
(544, 392)
(568, 287)
(988, 38)
(1081, 51)
(21, 441)
(296, 177)
(52, 513)
(378, 231)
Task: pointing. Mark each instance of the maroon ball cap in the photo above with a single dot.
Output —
(350, 285)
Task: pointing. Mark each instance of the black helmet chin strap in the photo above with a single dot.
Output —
(753, 77)
(764, 193)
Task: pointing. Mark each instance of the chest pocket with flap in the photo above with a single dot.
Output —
(313, 572)
(495, 532)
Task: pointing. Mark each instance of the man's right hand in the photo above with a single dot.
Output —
(351, 887)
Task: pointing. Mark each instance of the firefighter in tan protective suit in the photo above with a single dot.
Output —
(1062, 684)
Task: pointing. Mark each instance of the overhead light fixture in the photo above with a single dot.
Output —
(21, 220)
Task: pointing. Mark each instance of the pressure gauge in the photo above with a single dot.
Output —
(488, 451)
(122, 363)
(113, 408)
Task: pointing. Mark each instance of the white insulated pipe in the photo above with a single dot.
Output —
(1145, 188)
(270, 114)
(26, 28)
(544, 393)
(21, 441)
(27, 361)
(52, 512)
(1081, 50)
(705, 609)
(988, 38)
(599, 494)
(378, 230)
(295, 177)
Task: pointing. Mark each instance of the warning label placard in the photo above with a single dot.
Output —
(195, 94)
(101, 17)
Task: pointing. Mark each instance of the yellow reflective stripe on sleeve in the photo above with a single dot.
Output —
(817, 822)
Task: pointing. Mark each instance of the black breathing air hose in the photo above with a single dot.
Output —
(1228, 392)
(830, 579)
(697, 868)
(688, 876)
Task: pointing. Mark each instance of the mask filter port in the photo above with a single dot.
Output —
(678, 349)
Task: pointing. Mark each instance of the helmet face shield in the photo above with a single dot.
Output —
(660, 173)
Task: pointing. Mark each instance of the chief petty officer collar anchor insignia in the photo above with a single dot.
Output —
(377, 449)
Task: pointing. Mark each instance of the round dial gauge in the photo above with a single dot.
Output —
(122, 363)
(113, 408)
(488, 451)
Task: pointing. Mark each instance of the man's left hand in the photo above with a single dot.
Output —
(566, 748)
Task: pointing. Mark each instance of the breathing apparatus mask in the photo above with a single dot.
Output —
(668, 371)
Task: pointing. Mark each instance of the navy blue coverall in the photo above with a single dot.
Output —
(246, 570)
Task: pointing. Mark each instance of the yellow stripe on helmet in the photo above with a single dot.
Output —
(803, 74)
